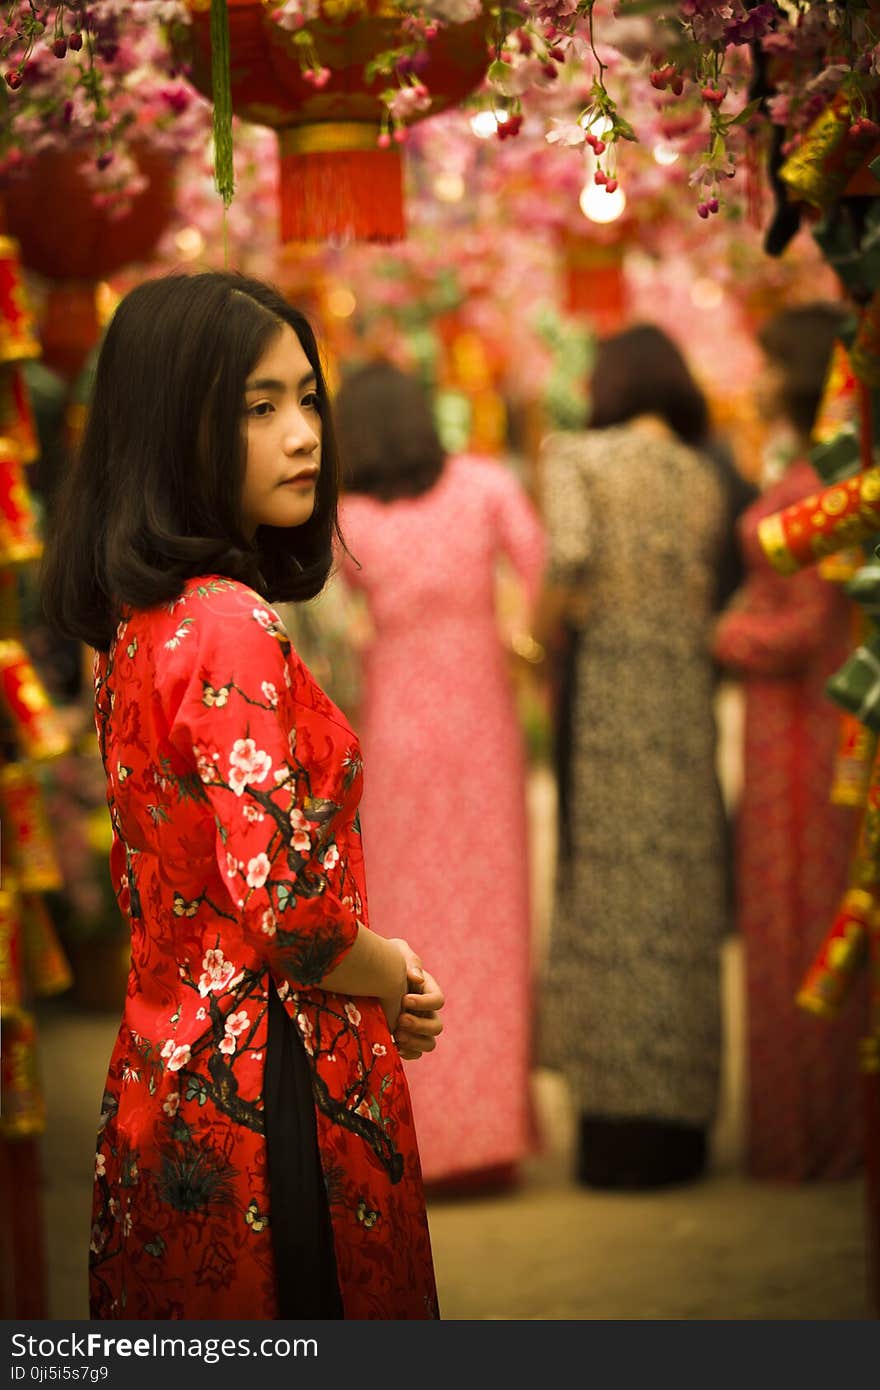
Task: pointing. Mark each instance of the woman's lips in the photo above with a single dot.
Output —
(304, 478)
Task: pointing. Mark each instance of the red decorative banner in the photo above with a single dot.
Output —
(16, 416)
(27, 840)
(840, 398)
(18, 333)
(865, 352)
(840, 957)
(11, 959)
(22, 1105)
(38, 728)
(864, 871)
(19, 538)
(46, 965)
(856, 750)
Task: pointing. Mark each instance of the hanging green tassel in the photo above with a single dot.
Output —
(221, 90)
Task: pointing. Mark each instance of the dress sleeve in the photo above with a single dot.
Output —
(566, 510)
(247, 747)
(520, 532)
(776, 625)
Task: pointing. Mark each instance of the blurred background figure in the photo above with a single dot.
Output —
(640, 517)
(444, 811)
(785, 635)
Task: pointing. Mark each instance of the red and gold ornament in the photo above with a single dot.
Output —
(842, 515)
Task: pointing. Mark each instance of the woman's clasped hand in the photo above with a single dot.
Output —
(416, 1026)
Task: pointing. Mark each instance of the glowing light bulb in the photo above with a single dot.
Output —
(189, 242)
(448, 186)
(664, 153)
(706, 294)
(485, 123)
(341, 303)
(599, 206)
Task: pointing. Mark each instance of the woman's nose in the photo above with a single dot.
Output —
(300, 437)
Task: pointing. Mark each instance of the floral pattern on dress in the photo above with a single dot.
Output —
(233, 785)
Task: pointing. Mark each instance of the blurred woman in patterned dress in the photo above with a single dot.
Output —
(640, 519)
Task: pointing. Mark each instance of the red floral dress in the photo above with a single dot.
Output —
(786, 634)
(233, 785)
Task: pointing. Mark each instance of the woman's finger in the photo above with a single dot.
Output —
(424, 1025)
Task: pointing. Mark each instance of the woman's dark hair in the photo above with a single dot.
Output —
(799, 341)
(641, 372)
(153, 497)
(388, 443)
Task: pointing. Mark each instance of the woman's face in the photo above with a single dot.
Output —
(282, 437)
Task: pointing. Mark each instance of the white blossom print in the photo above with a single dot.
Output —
(235, 1025)
(179, 1056)
(248, 764)
(218, 974)
(258, 870)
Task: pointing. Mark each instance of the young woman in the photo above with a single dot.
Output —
(257, 1157)
(441, 733)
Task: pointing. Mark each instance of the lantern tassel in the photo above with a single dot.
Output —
(221, 91)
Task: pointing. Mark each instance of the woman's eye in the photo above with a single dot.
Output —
(311, 401)
(261, 408)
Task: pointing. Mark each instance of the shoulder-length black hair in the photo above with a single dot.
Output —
(388, 442)
(153, 497)
(641, 372)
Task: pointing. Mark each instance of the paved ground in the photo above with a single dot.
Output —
(724, 1248)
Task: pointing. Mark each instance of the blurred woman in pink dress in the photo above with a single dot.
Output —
(444, 808)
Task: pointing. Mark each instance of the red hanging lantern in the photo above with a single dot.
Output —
(595, 282)
(81, 242)
(335, 179)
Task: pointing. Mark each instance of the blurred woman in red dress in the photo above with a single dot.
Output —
(785, 635)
